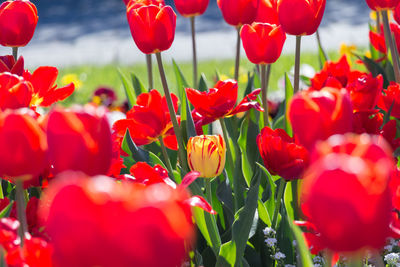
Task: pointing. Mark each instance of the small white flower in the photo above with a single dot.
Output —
(268, 231)
(391, 241)
(294, 243)
(290, 265)
(318, 259)
(388, 248)
(392, 258)
(279, 256)
(271, 242)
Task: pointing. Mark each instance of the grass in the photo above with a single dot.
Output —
(92, 77)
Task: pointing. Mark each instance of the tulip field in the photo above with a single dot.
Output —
(209, 170)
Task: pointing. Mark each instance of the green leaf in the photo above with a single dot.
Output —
(129, 91)
(203, 85)
(7, 210)
(130, 147)
(247, 169)
(137, 85)
(302, 249)
(232, 252)
(263, 213)
(288, 96)
(288, 200)
(250, 85)
(155, 160)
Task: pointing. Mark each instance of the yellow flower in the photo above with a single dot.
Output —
(206, 154)
(71, 78)
(347, 50)
(372, 15)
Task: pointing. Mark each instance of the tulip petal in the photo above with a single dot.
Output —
(200, 202)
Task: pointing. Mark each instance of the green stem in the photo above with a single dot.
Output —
(295, 197)
(208, 190)
(237, 59)
(278, 201)
(378, 22)
(228, 147)
(149, 71)
(297, 64)
(21, 206)
(166, 158)
(320, 46)
(15, 53)
(264, 92)
(177, 130)
(389, 38)
(192, 26)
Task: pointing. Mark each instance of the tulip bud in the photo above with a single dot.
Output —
(238, 12)
(23, 146)
(262, 42)
(79, 140)
(191, 8)
(18, 21)
(300, 17)
(152, 27)
(346, 194)
(206, 155)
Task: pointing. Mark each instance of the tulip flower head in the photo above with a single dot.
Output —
(206, 154)
(139, 225)
(281, 155)
(300, 17)
(191, 8)
(345, 192)
(15, 92)
(18, 19)
(152, 27)
(23, 145)
(262, 42)
(268, 12)
(390, 99)
(378, 5)
(220, 102)
(239, 12)
(316, 115)
(79, 139)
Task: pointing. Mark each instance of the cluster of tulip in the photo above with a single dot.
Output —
(79, 189)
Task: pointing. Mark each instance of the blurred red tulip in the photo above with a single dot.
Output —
(281, 155)
(138, 3)
(396, 14)
(382, 4)
(148, 120)
(79, 139)
(8, 64)
(262, 42)
(268, 12)
(152, 27)
(15, 92)
(18, 19)
(220, 102)
(191, 8)
(378, 39)
(145, 174)
(390, 100)
(23, 146)
(365, 92)
(45, 92)
(300, 17)
(239, 12)
(136, 225)
(345, 192)
(316, 115)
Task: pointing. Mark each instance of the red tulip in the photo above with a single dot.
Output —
(300, 17)
(137, 225)
(191, 8)
(262, 42)
(382, 4)
(15, 92)
(316, 115)
(281, 155)
(8, 64)
(18, 19)
(365, 92)
(152, 27)
(378, 39)
(396, 14)
(23, 145)
(45, 92)
(79, 140)
(238, 12)
(268, 12)
(143, 2)
(220, 102)
(145, 174)
(390, 100)
(148, 120)
(345, 192)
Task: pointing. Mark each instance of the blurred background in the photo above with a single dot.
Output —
(71, 32)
